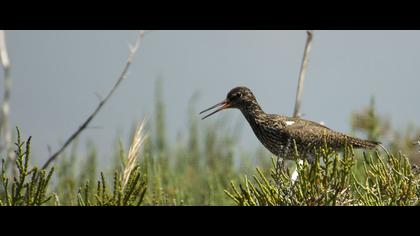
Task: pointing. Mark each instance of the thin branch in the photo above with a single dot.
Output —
(303, 68)
(299, 91)
(133, 50)
(5, 109)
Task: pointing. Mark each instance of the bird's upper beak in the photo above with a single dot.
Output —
(222, 105)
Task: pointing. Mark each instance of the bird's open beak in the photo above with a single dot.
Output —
(223, 105)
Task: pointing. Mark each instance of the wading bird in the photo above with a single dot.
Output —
(279, 134)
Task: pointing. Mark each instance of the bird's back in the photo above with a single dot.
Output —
(279, 134)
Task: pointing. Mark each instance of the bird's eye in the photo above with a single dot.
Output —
(237, 95)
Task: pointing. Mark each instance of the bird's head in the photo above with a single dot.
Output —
(238, 97)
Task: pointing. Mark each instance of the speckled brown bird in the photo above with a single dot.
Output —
(277, 132)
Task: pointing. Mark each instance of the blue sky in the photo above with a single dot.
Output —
(57, 74)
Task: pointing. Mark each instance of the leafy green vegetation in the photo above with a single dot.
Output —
(20, 190)
(388, 181)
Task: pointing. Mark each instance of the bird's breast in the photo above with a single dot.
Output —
(276, 140)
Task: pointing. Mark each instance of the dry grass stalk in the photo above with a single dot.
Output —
(133, 152)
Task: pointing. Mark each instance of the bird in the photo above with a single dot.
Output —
(282, 134)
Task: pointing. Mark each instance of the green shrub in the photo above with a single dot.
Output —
(30, 185)
(131, 195)
(331, 181)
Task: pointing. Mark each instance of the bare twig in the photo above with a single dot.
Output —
(303, 68)
(299, 91)
(133, 50)
(136, 143)
(5, 109)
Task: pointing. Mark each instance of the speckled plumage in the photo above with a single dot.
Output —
(277, 132)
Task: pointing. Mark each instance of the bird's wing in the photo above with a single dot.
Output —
(302, 122)
(295, 123)
(309, 133)
(305, 132)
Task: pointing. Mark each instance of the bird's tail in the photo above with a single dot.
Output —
(361, 143)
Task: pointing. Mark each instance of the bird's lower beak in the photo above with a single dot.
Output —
(223, 105)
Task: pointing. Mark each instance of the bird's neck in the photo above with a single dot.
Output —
(253, 113)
